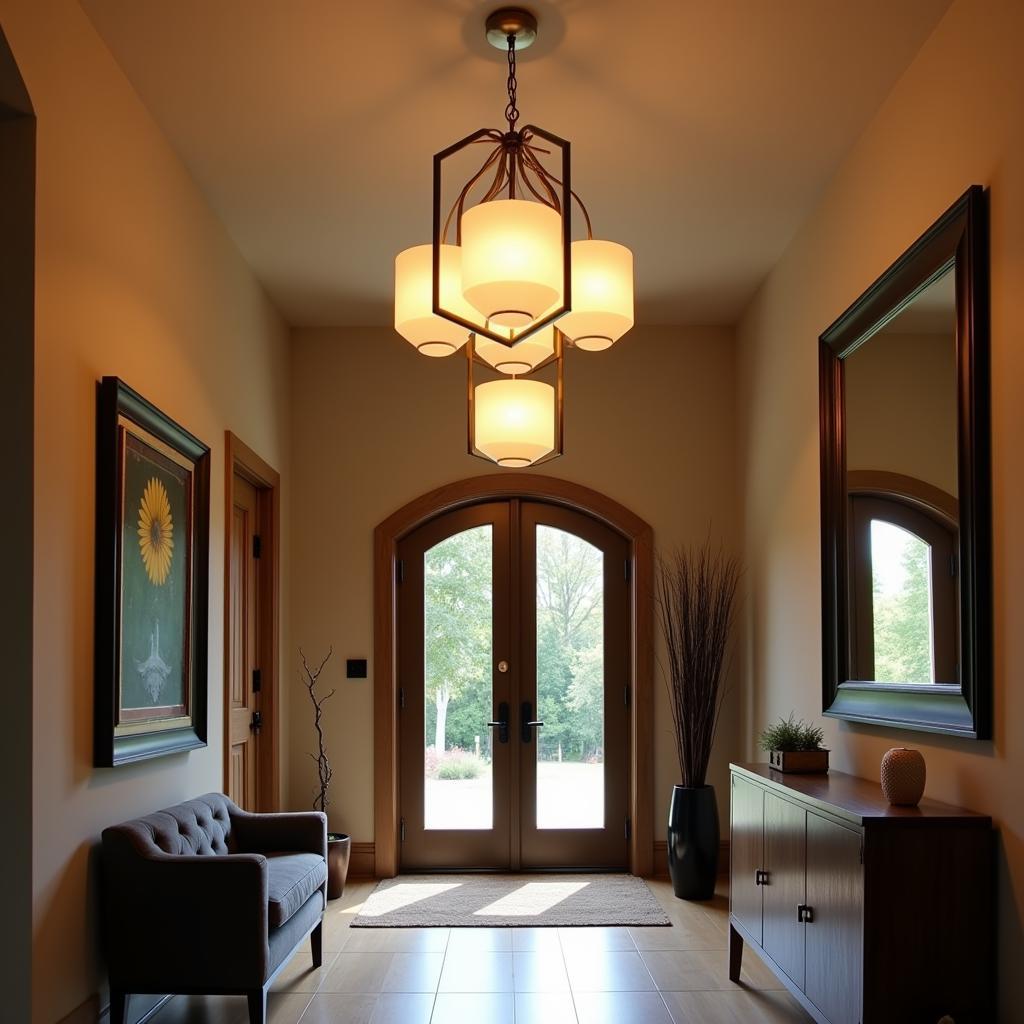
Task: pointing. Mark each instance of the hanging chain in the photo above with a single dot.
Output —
(511, 110)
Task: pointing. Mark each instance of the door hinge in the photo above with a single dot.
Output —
(628, 830)
(401, 829)
(952, 566)
(862, 851)
(401, 696)
(257, 546)
(399, 571)
(625, 695)
(629, 569)
(257, 680)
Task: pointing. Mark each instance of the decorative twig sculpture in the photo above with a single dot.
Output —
(323, 765)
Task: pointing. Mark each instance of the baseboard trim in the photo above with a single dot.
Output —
(361, 862)
(661, 858)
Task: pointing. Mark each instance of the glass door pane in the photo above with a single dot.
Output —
(570, 681)
(457, 691)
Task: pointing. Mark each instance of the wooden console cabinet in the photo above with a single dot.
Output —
(867, 913)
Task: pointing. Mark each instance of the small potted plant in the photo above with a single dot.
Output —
(339, 845)
(795, 746)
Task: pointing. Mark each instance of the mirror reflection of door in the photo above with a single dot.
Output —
(900, 396)
(904, 593)
(513, 665)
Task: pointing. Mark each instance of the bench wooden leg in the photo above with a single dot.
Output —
(257, 1006)
(316, 942)
(118, 1006)
(735, 954)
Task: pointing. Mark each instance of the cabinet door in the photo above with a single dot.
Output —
(835, 894)
(785, 834)
(746, 849)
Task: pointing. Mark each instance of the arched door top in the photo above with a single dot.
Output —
(531, 487)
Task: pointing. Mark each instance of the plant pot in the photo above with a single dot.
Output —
(801, 761)
(339, 849)
(693, 842)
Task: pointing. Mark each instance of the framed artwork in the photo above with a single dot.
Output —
(152, 576)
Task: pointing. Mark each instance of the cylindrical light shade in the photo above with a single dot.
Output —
(602, 295)
(523, 357)
(512, 260)
(514, 421)
(414, 300)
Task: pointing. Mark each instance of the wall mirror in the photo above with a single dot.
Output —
(905, 488)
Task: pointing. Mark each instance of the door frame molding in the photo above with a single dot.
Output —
(474, 490)
(241, 459)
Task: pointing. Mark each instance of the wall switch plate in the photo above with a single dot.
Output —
(355, 668)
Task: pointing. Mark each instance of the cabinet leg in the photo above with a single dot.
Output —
(118, 1006)
(735, 954)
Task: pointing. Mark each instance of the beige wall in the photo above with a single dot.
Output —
(955, 118)
(900, 393)
(374, 425)
(135, 277)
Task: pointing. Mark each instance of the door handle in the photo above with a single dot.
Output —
(528, 721)
(502, 724)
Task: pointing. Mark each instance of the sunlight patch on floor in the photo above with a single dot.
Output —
(531, 899)
(405, 894)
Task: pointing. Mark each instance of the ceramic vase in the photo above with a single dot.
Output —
(693, 842)
(903, 776)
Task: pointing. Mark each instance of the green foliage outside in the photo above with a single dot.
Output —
(902, 621)
(458, 655)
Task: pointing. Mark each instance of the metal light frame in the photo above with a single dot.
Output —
(514, 162)
(557, 357)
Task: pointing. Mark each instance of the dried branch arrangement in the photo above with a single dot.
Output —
(696, 593)
(323, 765)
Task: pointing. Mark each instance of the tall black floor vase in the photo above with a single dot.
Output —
(693, 842)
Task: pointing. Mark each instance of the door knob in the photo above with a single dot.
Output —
(528, 722)
(502, 723)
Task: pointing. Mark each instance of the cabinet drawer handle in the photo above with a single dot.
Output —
(804, 913)
(760, 877)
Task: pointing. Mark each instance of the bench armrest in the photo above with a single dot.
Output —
(296, 832)
(180, 921)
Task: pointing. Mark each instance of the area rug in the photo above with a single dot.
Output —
(510, 901)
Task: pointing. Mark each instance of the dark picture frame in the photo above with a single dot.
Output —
(957, 240)
(152, 581)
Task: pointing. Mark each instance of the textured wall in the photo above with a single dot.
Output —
(134, 277)
(374, 425)
(954, 119)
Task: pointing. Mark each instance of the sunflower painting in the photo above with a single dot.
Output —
(155, 583)
(152, 559)
(156, 532)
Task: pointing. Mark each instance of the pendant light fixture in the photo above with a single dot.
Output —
(504, 273)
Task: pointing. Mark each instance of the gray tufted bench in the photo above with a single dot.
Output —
(204, 897)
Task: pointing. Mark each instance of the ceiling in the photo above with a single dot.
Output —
(702, 133)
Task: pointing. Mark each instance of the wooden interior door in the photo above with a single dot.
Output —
(243, 645)
(573, 617)
(785, 838)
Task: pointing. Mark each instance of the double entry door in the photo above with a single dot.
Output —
(513, 674)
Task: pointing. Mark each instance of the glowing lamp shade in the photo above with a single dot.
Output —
(414, 300)
(514, 421)
(523, 357)
(602, 295)
(512, 260)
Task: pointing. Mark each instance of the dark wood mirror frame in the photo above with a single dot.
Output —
(958, 239)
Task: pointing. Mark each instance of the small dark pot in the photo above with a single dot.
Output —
(339, 849)
(693, 842)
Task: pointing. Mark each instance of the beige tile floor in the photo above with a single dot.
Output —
(674, 975)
